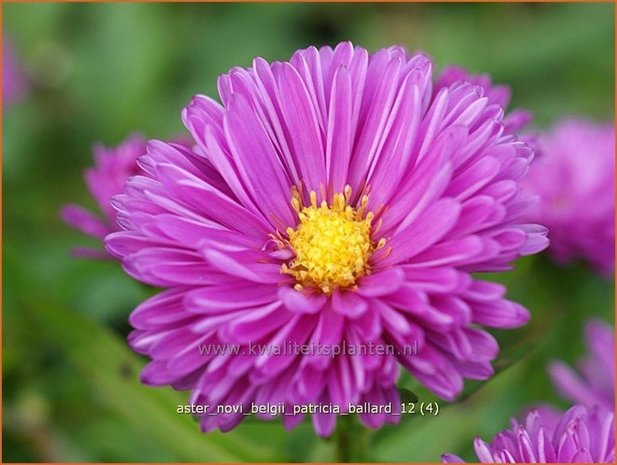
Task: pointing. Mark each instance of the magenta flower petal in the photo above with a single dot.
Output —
(297, 302)
(257, 160)
(325, 231)
(86, 222)
(451, 458)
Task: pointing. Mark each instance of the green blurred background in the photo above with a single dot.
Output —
(99, 71)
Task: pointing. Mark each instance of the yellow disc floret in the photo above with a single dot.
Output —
(332, 243)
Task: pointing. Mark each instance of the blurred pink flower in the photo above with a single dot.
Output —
(112, 167)
(575, 179)
(14, 82)
(594, 384)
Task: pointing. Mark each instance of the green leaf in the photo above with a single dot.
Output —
(407, 396)
(111, 370)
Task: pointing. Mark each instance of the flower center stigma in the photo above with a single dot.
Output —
(332, 242)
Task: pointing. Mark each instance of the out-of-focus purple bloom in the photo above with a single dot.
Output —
(580, 435)
(112, 167)
(332, 200)
(575, 178)
(594, 384)
(14, 83)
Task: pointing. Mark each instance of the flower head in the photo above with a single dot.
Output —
(112, 167)
(595, 382)
(580, 435)
(575, 179)
(331, 201)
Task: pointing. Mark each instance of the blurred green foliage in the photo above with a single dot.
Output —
(100, 71)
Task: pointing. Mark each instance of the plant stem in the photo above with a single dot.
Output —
(351, 440)
(343, 441)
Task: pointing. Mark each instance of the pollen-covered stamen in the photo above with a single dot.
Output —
(332, 242)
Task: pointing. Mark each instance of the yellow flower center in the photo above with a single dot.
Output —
(332, 243)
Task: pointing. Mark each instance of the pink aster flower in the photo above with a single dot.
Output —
(595, 382)
(579, 435)
(14, 83)
(334, 200)
(575, 178)
(112, 167)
